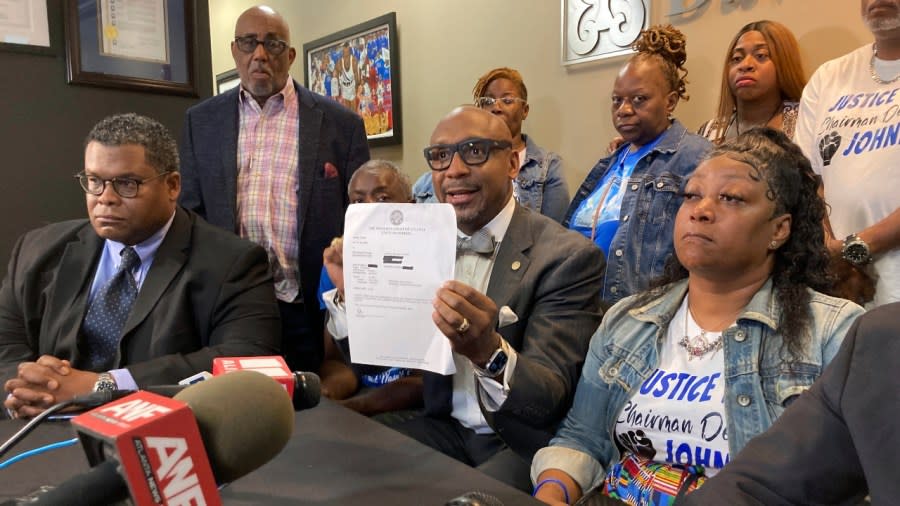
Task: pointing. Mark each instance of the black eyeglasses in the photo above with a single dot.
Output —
(126, 187)
(248, 44)
(474, 151)
(486, 102)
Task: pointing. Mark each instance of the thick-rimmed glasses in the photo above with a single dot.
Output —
(126, 187)
(248, 43)
(474, 151)
(487, 102)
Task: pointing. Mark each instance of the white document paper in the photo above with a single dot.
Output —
(135, 29)
(396, 256)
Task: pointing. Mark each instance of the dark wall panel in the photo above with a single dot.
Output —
(43, 122)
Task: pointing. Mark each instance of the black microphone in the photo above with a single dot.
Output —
(307, 390)
(237, 441)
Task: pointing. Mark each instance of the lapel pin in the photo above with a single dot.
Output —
(516, 265)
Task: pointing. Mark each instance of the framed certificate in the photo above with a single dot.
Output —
(25, 27)
(145, 45)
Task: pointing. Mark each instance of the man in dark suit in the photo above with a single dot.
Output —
(519, 315)
(143, 293)
(838, 441)
(271, 162)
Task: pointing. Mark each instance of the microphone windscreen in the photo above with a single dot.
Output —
(307, 390)
(475, 498)
(245, 420)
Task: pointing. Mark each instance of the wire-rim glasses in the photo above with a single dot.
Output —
(488, 102)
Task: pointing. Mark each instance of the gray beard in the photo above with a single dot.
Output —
(882, 24)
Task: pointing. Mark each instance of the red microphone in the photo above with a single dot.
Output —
(164, 451)
(272, 366)
(158, 446)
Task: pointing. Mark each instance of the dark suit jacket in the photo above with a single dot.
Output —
(555, 292)
(837, 441)
(207, 293)
(329, 134)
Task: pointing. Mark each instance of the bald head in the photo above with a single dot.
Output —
(478, 186)
(470, 118)
(266, 15)
(264, 71)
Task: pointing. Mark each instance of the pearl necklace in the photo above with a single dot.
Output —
(875, 74)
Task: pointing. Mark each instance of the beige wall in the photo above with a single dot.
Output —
(446, 44)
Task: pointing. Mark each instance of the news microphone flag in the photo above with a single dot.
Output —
(272, 366)
(157, 443)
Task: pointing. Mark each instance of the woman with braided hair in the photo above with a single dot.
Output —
(628, 201)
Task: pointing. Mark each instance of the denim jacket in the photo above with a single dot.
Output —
(624, 352)
(540, 181)
(643, 241)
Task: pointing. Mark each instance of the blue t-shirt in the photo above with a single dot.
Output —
(325, 284)
(597, 218)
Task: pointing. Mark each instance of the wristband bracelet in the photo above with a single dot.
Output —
(552, 480)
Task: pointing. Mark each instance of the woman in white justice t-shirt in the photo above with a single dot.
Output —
(680, 377)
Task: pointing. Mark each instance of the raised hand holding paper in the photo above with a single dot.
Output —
(396, 256)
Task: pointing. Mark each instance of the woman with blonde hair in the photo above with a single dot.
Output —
(762, 81)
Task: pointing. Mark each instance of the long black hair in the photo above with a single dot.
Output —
(802, 261)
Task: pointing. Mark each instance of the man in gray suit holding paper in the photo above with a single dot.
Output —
(519, 314)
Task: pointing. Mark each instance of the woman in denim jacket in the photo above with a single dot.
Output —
(628, 201)
(540, 185)
(680, 377)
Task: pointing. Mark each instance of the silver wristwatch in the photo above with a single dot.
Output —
(856, 251)
(105, 383)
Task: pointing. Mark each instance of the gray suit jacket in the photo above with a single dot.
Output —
(332, 146)
(208, 293)
(550, 277)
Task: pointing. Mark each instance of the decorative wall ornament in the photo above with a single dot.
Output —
(596, 29)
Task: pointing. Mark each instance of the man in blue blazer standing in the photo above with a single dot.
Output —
(270, 161)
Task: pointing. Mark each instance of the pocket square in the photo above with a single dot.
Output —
(506, 317)
(330, 170)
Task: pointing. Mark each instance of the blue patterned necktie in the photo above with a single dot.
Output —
(481, 242)
(105, 318)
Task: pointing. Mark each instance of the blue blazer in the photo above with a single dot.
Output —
(329, 134)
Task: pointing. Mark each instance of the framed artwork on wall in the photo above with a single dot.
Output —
(144, 45)
(359, 68)
(25, 27)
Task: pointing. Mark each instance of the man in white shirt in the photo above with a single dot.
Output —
(848, 127)
(519, 314)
